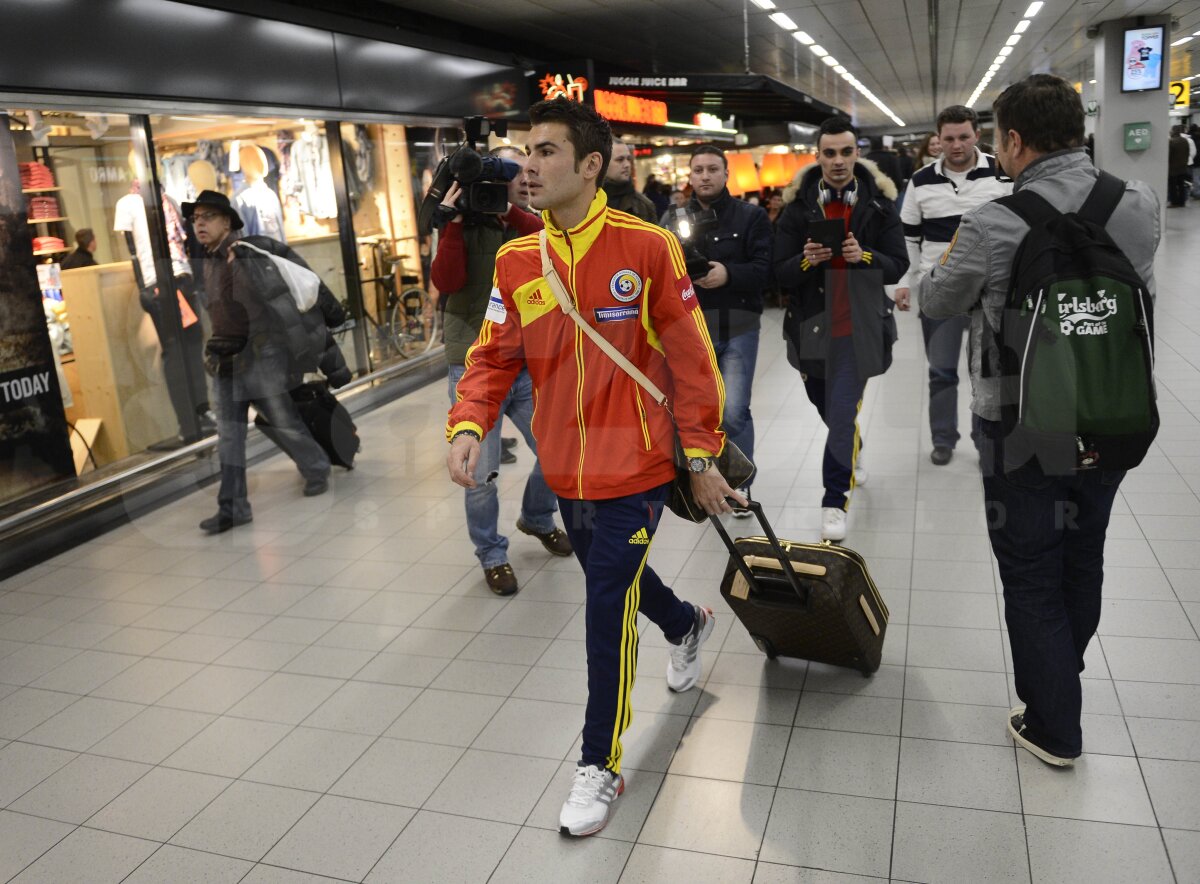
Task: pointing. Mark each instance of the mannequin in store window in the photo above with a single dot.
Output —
(257, 204)
(182, 346)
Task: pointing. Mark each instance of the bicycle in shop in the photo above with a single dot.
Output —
(404, 322)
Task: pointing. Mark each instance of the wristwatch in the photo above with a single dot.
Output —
(699, 464)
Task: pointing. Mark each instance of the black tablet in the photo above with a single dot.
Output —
(829, 234)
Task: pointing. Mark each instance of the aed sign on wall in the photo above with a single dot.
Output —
(1137, 136)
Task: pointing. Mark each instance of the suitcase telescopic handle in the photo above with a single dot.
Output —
(785, 563)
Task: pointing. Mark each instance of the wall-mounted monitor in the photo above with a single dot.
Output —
(1141, 65)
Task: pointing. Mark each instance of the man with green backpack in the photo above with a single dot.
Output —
(1063, 389)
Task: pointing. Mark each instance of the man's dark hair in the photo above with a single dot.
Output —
(84, 237)
(957, 113)
(836, 126)
(1044, 110)
(588, 131)
(702, 149)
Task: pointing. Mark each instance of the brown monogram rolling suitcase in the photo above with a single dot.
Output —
(814, 601)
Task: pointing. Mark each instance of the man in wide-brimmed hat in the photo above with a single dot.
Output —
(249, 358)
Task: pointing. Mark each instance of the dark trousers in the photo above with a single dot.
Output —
(838, 398)
(943, 344)
(1047, 533)
(183, 363)
(1179, 188)
(612, 542)
(288, 432)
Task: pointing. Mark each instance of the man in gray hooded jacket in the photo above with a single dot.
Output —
(1047, 531)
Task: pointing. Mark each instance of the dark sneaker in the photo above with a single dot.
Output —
(941, 455)
(315, 487)
(741, 512)
(501, 580)
(507, 442)
(219, 524)
(1022, 737)
(556, 542)
(507, 456)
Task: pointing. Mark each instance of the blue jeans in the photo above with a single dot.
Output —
(612, 540)
(483, 501)
(838, 398)
(943, 344)
(290, 433)
(735, 359)
(1048, 536)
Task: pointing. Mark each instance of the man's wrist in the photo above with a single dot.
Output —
(472, 433)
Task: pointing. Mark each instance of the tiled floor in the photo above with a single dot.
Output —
(333, 692)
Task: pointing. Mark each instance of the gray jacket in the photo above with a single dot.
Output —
(975, 270)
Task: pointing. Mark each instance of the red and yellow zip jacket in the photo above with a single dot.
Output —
(599, 434)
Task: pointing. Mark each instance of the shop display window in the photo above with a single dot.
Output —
(385, 165)
(127, 345)
(83, 182)
(278, 175)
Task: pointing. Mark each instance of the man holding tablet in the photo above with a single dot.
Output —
(839, 242)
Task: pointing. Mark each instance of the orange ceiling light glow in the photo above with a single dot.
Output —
(743, 176)
(629, 108)
(776, 171)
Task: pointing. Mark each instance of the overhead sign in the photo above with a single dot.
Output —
(1181, 91)
(630, 108)
(558, 86)
(649, 82)
(1137, 136)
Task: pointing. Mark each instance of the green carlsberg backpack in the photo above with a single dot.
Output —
(1076, 342)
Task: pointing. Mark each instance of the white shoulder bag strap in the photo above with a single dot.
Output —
(567, 303)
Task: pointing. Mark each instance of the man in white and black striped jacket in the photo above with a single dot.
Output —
(938, 195)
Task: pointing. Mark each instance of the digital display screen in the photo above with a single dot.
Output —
(1141, 65)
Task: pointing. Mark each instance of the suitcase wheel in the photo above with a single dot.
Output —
(764, 645)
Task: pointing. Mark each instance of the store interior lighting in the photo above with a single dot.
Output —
(783, 20)
(743, 175)
(764, 4)
(1005, 51)
(776, 170)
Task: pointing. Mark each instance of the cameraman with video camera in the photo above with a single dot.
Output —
(463, 270)
(735, 241)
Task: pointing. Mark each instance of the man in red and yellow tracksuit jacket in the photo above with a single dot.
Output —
(602, 434)
(606, 448)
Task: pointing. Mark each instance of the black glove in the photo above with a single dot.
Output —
(219, 353)
(225, 345)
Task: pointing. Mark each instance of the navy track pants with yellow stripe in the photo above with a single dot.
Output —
(612, 542)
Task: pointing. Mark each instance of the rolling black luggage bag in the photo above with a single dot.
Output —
(326, 418)
(814, 601)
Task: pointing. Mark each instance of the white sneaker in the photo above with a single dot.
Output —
(860, 471)
(585, 812)
(833, 523)
(684, 667)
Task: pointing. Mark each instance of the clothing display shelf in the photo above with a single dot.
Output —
(42, 156)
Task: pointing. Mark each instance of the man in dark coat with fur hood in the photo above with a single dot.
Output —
(839, 324)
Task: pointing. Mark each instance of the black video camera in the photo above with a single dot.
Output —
(693, 228)
(483, 179)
